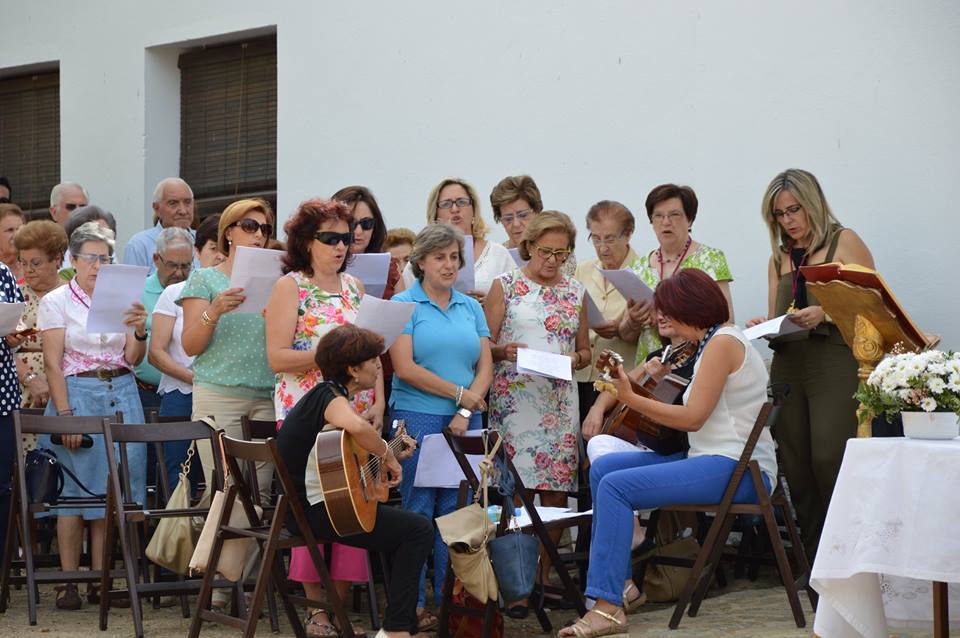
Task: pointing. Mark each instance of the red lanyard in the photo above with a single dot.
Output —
(683, 255)
(78, 297)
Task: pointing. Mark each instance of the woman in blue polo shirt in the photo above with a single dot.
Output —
(442, 371)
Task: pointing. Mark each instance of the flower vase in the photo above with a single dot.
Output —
(930, 425)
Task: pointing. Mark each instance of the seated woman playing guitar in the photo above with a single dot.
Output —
(720, 407)
(349, 359)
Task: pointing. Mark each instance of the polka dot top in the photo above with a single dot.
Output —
(9, 383)
(236, 355)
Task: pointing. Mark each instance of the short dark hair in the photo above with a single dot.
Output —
(346, 346)
(353, 195)
(664, 192)
(207, 231)
(302, 227)
(692, 297)
(6, 182)
(89, 213)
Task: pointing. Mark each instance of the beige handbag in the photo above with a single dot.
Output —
(174, 538)
(233, 554)
(466, 532)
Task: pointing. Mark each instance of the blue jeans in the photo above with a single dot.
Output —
(176, 403)
(623, 482)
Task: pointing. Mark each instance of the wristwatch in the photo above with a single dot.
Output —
(465, 413)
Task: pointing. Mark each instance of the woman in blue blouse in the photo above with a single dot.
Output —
(442, 371)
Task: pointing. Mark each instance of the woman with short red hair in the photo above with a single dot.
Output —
(729, 387)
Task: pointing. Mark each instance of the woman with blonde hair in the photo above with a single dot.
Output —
(455, 202)
(819, 415)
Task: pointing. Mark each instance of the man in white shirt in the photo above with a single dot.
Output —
(173, 206)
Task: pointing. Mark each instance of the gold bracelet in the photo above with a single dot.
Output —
(206, 320)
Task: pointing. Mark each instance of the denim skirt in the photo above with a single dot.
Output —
(90, 396)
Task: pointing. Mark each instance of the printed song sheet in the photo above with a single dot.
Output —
(386, 318)
(465, 280)
(256, 270)
(372, 269)
(544, 364)
(10, 314)
(437, 467)
(629, 285)
(118, 287)
(775, 327)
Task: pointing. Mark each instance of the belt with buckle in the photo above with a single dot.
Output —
(104, 375)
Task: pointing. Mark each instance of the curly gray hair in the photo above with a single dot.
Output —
(434, 237)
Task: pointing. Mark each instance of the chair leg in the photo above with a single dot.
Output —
(695, 573)
(442, 629)
(131, 568)
(783, 565)
(106, 581)
(799, 552)
(372, 595)
(713, 563)
(9, 545)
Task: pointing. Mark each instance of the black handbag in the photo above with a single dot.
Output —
(44, 477)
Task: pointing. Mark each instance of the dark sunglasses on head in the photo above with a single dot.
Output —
(367, 223)
(331, 238)
(251, 226)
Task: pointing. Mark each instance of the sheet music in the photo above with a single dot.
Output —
(776, 327)
(386, 318)
(437, 467)
(629, 285)
(465, 278)
(118, 287)
(10, 314)
(372, 269)
(594, 316)
(256, 270)
(544, 364)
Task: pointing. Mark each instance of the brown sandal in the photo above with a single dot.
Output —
(426, 621)
(68, 598)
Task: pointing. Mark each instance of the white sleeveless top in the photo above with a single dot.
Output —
(726, 430)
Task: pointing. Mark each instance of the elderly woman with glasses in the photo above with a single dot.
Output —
(313, 298)
(541, 308)
(454, 201)
(516, 202)
(231, 376)
(89, 374)
(671, 210)
(442, 372)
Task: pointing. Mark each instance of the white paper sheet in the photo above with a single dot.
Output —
(775, 327)
(10, 314)
(465, 279)
(629, 285)
(386, 318)
(255, 270)
(594, 316)
(544, 364)
(437, 467)
(515, 253)
(372, 269)
(547, 514)
(118, 287)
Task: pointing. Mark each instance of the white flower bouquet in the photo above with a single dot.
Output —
(926, 381)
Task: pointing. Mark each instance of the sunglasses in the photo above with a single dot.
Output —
(330, 238)
(367, 223)
(251, 226)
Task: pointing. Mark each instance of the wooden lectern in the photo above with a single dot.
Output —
(869, 317)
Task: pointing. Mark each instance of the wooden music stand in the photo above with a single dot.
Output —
(871, 320)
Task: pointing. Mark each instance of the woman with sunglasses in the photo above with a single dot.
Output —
(369, 231)
(539, 307)
(313, 297)
(231, 377)
(88, 375)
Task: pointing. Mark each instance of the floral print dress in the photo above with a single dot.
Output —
(710, 260)
(538, 417)
(319, 313)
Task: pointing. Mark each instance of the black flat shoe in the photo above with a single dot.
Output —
(518, 612)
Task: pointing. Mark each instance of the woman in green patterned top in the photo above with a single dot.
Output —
(671, 210)
(231, 377)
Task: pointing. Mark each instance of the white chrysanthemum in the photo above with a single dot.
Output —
(953, 384)
(936, 385)
(927, 404)
(904, 394)
(937, 368)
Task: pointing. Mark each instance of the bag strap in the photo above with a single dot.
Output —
(486, 469)
(185, 466)
(78, 482)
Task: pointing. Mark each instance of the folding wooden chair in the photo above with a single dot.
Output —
(462, 446)
(271, 535)
(724, 515)
(21, 526)
(130, 518)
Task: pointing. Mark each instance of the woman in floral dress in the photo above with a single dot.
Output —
(315, 296)
(671, 210)
(540, 308)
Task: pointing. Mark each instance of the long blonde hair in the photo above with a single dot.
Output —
(806, 189)
(478, 228)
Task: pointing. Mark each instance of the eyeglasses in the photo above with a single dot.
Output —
(251, 226)
(92, 259)
(34, 264)
(789, 211)
(674, 216)
(560, 254)
(185, 266)
(461, 202)
(367, 223)
(520, 216)
(330, 238)
(606, 241)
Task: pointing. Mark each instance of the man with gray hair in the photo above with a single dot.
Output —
(173, 208)
(173, 257)
(65, 198)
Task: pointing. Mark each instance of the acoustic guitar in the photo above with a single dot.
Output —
(635, 427)
(351, 480)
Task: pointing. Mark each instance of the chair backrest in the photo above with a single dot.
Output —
(254, 429)
(39, 424)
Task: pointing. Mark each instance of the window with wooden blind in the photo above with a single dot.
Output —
(30, 137)
(228, 122)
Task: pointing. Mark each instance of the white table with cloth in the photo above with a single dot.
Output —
(892, 530)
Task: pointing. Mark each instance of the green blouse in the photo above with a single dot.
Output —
(710, 260)
(235, 359)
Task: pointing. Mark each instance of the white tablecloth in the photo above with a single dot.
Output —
(892, 528)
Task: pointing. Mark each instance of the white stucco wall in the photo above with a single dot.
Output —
(595, 100)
